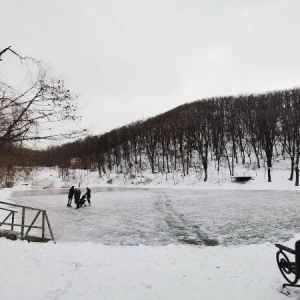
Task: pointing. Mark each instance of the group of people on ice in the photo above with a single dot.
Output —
(78, 199)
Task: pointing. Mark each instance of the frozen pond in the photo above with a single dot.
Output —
(172, 216)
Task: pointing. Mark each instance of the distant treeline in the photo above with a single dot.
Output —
(16, 159)
(241, 129)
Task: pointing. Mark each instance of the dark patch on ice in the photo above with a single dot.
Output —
(211, 242)
(206, 242)
(179, 227)
(190, 241)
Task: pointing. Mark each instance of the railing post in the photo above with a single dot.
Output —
(12, 221)
(43, 226)
(23, 221)
(49, 227)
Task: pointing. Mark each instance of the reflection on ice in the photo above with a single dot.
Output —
(61, 191)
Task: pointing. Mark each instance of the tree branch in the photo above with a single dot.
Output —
(3, 51)
(15, 53)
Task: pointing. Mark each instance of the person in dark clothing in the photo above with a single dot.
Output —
(77, 194)
(82, 200)
(70, 196)
(88, 195)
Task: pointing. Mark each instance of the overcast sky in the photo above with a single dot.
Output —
(133, 59)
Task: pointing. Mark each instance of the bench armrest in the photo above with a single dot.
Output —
(287, 249)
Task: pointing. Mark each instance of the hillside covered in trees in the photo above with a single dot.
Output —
(236, 130)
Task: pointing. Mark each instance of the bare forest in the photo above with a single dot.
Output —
(249, 130)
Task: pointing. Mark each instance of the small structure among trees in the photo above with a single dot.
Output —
(242, 176)
(80, 169)
(75, 163)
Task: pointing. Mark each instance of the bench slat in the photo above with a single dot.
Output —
(285, 248)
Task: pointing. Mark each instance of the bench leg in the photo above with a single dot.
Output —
(290, 285)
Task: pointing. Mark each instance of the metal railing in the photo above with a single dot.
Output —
(24, 235)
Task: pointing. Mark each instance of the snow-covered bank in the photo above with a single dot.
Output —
(41, 178)
(92, 271)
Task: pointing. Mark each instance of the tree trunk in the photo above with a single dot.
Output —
(297, 165)
(297, 176)
(269, 165)
(292, 170)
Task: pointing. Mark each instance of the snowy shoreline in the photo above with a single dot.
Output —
(91, 271)
(48, 178)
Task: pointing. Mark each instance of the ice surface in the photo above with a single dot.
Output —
(170, 216)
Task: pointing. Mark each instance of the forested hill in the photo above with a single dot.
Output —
(246, 129)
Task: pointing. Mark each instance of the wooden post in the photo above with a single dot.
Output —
(23, 221)
(49, 226)
(12, 221)
(43, 226)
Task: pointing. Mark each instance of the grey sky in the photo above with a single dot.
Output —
(130, 60)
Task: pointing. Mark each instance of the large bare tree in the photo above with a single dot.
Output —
(37, 106)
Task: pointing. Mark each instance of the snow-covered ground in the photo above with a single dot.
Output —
(137, 242)
(94, 271)
(48, 178)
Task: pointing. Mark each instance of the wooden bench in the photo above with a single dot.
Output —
(288, 261)
(242, 176)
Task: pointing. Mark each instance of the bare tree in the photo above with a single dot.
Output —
(32, 111)
(268, 112)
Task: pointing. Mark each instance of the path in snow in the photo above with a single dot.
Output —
(173, 216)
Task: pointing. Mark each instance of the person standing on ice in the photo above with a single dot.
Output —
(70, 196)
(88, 195)
(77, 194)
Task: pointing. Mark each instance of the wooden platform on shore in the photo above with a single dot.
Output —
(9, 210)
(14, 235)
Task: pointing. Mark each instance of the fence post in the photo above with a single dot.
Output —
(23, 221)
(43, 226)
(12, 221)
(49, 227)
